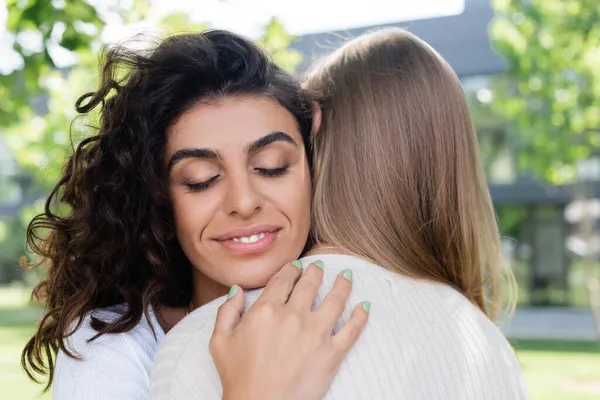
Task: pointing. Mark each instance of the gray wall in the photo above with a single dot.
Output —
(462, 40)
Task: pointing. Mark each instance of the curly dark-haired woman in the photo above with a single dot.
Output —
(198, 180)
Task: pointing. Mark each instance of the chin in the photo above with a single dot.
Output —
(255, 276)
(255, 282)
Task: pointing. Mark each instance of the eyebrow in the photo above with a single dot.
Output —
(268, 139)
(182, 154)
(258, 144)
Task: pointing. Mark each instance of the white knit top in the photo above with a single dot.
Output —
(423, 341)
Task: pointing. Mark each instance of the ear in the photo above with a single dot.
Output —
(317, 114)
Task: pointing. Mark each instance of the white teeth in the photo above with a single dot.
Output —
(250, 239)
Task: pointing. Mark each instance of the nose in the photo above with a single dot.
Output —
(242, 198)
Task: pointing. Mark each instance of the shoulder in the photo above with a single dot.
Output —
(433, 349)
(139, 340)
(197, 326)
(425, 340)
(123, 359)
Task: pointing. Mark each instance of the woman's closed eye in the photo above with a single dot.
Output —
(268, 172)
(273, 171)
(200, 186)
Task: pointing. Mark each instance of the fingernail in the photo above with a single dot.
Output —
(320, 264)
(347, 273)
(366, 306)
(298, 264)
(233, 291)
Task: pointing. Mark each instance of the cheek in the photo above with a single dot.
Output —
(190, 218)
(293, 199)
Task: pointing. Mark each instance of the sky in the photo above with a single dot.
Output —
(249, 16)
(309, 16)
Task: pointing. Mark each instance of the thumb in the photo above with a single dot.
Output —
(230, 312)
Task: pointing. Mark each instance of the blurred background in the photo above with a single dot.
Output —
(531, 71)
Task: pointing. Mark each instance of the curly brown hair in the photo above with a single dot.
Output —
(116, 242)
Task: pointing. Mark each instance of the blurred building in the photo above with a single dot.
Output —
(461, 39)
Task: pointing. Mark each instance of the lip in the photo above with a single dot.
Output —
(240, 248)
(248, 231)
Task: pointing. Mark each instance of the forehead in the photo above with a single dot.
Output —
(230, 123)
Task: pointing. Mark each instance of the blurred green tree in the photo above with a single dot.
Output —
(552, 97)
(40, 28)
(552, 48)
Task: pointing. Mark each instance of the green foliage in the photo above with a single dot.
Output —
(41, 21)
(512, 220)
(180, 23)
(553, 100)
(277, 42)
(491, 123)
(40, 141)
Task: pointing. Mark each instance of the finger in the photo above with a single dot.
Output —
(281, 284)
(350, 332)
(335, 303)
(306, 289)
(230, 312)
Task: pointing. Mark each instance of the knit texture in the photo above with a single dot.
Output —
(423, 341)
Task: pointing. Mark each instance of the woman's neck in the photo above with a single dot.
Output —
(206, 290)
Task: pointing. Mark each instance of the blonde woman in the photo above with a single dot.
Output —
(399, 197)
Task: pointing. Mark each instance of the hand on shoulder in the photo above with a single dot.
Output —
(282, 348)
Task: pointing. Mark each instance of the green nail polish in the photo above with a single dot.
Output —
(233, 291)
(298, 264)
(320, 264)
(366, 306)
(347, 273)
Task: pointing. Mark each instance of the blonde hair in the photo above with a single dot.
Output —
(398, 178)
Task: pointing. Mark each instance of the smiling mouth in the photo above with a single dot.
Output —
(250, 239)
(251, 244)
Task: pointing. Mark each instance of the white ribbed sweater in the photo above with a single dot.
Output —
(424, 341)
